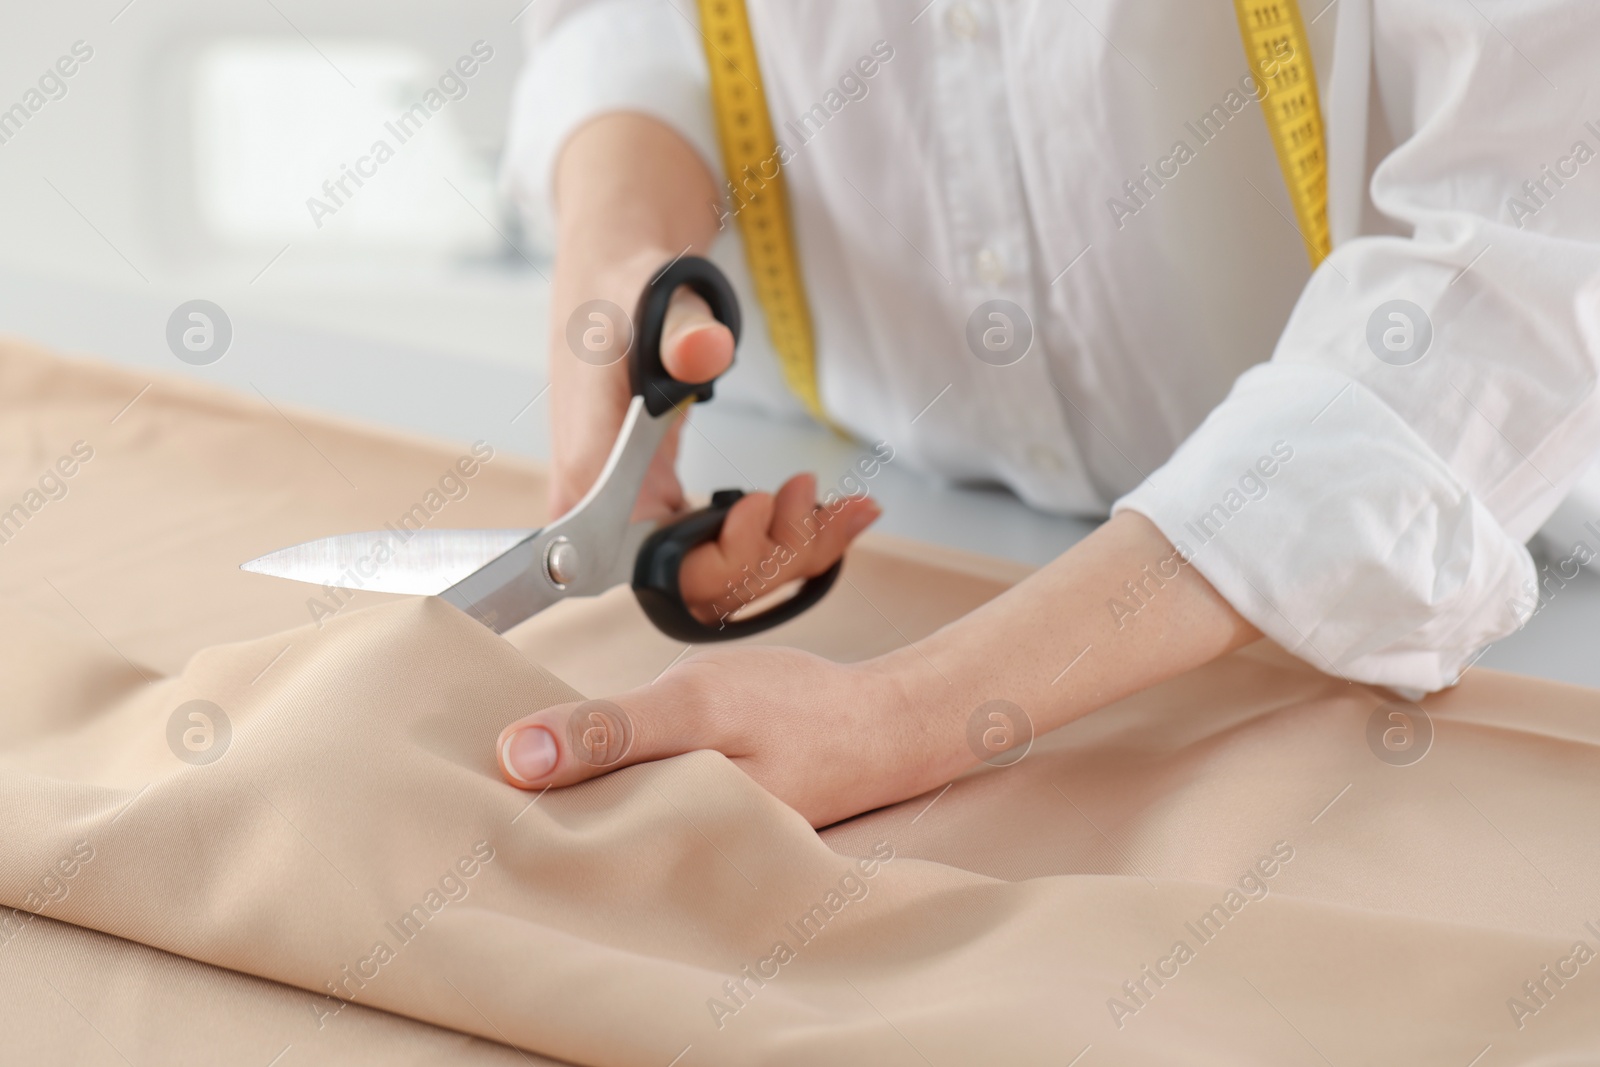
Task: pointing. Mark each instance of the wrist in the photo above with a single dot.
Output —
(926, 711)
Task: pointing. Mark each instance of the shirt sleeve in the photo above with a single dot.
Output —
(589, 57)
(1364, 497)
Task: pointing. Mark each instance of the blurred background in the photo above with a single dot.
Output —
(176, 161)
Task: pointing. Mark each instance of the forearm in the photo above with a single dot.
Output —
(627, 185)
(1054, 645)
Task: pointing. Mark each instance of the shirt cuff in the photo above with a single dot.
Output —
(1329, 524)
(641, 56)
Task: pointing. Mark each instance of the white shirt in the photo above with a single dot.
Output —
(1181, 346)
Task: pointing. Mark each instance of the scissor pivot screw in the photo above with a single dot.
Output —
(561, 561)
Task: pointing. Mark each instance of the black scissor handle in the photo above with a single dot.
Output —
(655, 579)
(646, 374)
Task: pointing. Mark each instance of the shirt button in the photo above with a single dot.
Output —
(962, 22)
(988, 265)
(1044, 459)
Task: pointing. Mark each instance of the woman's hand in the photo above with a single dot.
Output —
(633, 197)
(828, 739)
(834, 740)
(589, 396)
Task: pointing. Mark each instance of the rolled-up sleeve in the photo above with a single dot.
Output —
(589, 57)
(1362, 499)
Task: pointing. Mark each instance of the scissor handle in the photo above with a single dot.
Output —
(655, 579)
(646, 374)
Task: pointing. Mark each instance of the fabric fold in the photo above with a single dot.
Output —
(206, 794)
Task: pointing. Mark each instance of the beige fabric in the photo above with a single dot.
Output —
(75, 996)
(1404, 907)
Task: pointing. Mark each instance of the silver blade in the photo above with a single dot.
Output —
(425, 562)
(599, 544)
(500, 577)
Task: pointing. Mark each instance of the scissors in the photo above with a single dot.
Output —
(503, 577)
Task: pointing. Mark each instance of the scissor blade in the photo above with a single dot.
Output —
(425, 562)
(600, 545)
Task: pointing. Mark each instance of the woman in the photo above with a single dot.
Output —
(1348, 463)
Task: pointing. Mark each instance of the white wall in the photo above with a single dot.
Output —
(102, 210)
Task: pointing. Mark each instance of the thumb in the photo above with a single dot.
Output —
(568, 743)
(695, 347)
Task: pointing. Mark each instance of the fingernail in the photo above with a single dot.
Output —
(529, 754)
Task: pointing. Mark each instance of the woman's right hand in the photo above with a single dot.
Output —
(590, 396)
(633, 196)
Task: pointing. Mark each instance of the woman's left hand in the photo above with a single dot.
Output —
(833, 740)
(828, 739)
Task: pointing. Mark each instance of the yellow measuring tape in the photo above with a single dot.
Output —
(1274, 41)
(1280, 55)
(757, 195)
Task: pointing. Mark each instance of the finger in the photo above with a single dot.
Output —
(707, 569)
(817, 535)
(695, 347)
(795, 500)
(661, 494)
(796, 518)
(570, 743)
(743, 540)
(837, 533)
(769, 541)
